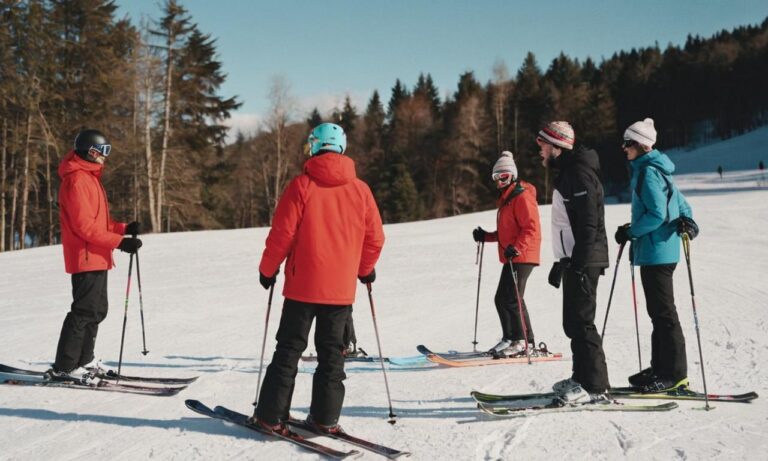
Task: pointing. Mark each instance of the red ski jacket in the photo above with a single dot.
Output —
(518, 224)
(88, 234)
(328, 226)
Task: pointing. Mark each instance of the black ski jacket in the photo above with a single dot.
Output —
(579, 196)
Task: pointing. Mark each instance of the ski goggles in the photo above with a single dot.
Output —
(102, 149)
(628, 143)
(504, 177)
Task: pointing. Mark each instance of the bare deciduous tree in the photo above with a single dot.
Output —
(501, 84)
(276, 162)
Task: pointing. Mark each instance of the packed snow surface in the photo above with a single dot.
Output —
(205, 315)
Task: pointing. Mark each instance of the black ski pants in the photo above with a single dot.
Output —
(506, 303)
(668, 359)
(579, 306)
(292, 336)
(81, 325)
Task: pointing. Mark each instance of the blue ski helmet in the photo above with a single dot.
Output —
(327, 137)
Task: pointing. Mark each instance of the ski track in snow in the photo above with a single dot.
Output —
(502, 443)
(204, 313)
(624, 440)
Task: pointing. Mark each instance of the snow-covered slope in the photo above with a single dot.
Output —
(735, 154)
(205, 311)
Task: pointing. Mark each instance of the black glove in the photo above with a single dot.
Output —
(556, 275)
(133, 228)
(368, 278)
(130, 245)
(511, 252)
(267, 282)
(687, 225)
(479, 234)
(622, 234)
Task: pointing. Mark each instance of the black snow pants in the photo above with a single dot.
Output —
(81, 325)
(292, 335)
(506, 303)
(668, 358)
(579, 306)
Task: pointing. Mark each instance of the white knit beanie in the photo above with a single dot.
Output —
(505, 164)
(642, 132)
(559, 134)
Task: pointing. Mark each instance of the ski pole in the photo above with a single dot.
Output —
(480, 250)
(125, 317)
(613, 285)
(637, 327)
(392, 414)
(520, 310)
(687, 251)
(141, 306)
(264, 344)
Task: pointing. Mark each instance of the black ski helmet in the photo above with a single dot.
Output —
(87, 139)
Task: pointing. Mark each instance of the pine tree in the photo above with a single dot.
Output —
(199, 110)
(314, 119)
(370, 153)
(173, 28)
(425, 88)
(348, 117)
(399, 94)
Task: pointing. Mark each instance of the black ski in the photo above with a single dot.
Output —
(390, 453)
(242, 420)
(108, 374)
(105, 386)
(527, 407)
(112, 375)
(19, 377)
(681, 393)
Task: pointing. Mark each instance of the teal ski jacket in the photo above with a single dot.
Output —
(656, 205)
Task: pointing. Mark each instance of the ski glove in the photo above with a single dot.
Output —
(267, 282)
(556, 275)
(622, 234)
(479, 234)
(368, 278)
(511, 252)
(133, 228)
(687, 225)
(130, 245)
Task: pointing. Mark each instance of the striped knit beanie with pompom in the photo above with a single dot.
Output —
(559, 134)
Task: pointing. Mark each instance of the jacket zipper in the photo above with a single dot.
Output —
(562, 243)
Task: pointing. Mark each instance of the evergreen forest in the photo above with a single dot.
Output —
(154, 89)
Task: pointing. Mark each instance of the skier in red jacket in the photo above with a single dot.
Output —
(519, 236)
(328, 230)
(88, 236)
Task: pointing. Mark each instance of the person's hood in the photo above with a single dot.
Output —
(580, 156)
(331, 169)
(656, 159)
(73, 163)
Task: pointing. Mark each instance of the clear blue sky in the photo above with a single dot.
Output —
(327, 49)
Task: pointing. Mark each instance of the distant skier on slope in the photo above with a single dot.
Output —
(88, 236)
(519, 238)
(328, 225)
(659, 214)
(581, 251)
